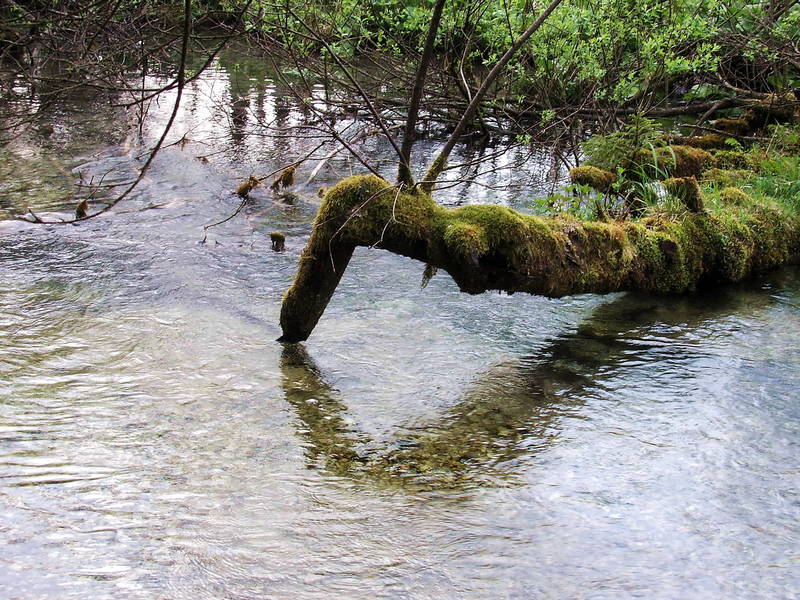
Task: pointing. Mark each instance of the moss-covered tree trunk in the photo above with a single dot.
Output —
(495, 248)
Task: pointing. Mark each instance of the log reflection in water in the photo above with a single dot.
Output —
(513, 410)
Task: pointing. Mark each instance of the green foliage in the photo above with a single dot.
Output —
(578, 200)
(784, 137)
(733, 144)
(780, 179)
(637, 155)
(612, 50)
(617, 149)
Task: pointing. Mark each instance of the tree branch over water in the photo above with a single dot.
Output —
(440, 162)
(404, 169)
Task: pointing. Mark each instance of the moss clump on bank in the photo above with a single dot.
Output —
(736, 160)
(597, 179)
(674, 161)
(727, 177)
(687, 190)
(734, 195)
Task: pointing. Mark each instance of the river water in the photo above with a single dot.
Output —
(157, 442)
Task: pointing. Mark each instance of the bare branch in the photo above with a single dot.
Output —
(441, 160)
(404, 176)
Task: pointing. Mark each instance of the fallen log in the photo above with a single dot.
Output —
(495, 248)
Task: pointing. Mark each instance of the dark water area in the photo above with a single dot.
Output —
(156, 442)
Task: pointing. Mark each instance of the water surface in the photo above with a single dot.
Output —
(156, 442)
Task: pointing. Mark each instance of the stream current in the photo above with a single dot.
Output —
(157, 442)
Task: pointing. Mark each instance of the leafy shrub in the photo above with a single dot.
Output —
(619, 148)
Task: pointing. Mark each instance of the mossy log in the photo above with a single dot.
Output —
(674, 161)
(495, 248)
(772, 109)
(597, 179)
(710, 141)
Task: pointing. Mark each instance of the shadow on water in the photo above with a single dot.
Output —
(514, 409)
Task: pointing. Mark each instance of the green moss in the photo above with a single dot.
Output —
(706, 142)
(772, 109)
(689, 161)
(735, 159)
(248, 186)
(493, 247)
(495, 231)
(278, 241)
(733, 195)
(674, 161)
(727, 177)
(740, 126)
(366, 206)
(595, 178)
(687, 190)
(284, 179)
(466, 240)
(432, 175)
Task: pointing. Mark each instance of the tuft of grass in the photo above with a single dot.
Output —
(779, 180)
(727, 177)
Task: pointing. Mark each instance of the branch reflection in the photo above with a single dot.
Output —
(514, 410)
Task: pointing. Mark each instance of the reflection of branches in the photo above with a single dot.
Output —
(375, 89)
(330, 128)
(483, 431)
(508, 412)
(512, 411)
(116, 81)
(181, 81)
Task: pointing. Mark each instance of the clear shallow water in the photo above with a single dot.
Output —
(156, 442)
